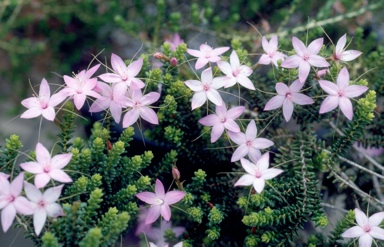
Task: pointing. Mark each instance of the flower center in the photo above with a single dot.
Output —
(340, 93)
(258, 174)
(158, 202)
(288, 95)
(124, 77)
(43, 102)
(306, 57)
(249, 143)
(206, 87)
(41, 204)
(223, 120)
(47, 168)
(236, 72)
(367, 228)
(271, 54)
(11, 198)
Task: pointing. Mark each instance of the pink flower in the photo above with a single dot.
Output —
(257, 173)
(207, 54)
(206, 88)
(141, 226)
(81, 86)
(286, 96)
(107, 100)
(236, 72)
(123, 75)
(157, 234)
(160, 202)
(248, 143)
(47, 168)
(223, 119)
(270, 48)
(366, 229)
(341, 55)
(139, 103)
(305, 57)
(176, 40)
(11, 202)
(44, 204)
(43, 104)
(340, 93)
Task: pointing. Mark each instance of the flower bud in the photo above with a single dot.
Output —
(173, 61)
(175, 173)
(159, 55)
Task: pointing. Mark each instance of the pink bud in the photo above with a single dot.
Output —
(173, 61)
(159, 55)
(175, 173)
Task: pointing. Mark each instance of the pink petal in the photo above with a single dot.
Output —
(248, 166)
(119, 90)
(329, 104)
(281, 88)
(32, 167)
(271, 173)
(217, 131)
(92, 70)
(17, 185)
(194, 85)
(365, 240)
(206, 76)
(376, 219)
(315, 46)
(23, 206)
(239, 153)
(49, 113)
(100, 105)
(71, 83)
(79, 100)
(287, 109)
(234, 59)
(343, 78)
(153, 214)
(318, 61)
(135, 67)
(31, 102)
(198, 99)
(173, 197)
(245, 70)
(235, 112)
(340, 44)
(159, 189)
(165, 211)
(54, 210)
(237, 137)
(52, 194)
(299, 47)
(149, 98)
(220, 82)
(264, 59)
(354, 91)
(149, 115)
(214, 97)
(349, 55)
(245, 180)
(32, 192)
(377, 232)
(274, 103)
(44, 91)
(263, 162)
(353, 232)
(329, 87)
(251, 131)
(301, 99)
(130, 118)
(265, 44)
(7, 216)
(148, 197)
(32, 113)
(345, 105)
(262, 143)
(41, 180)
(210, 120)
(225, 67)
(115, 111)
(220, 50)
(195, 53)
(201, 62)
(57, 99)
(361, 218)
(245, 82)
(258, 184)
(304, 69)
(39, 219)
(291, 62)
(231, 125)
(110, 77)
(60, 176)
(61, 160)
(273, 42)
(254, 154)
(118, 64)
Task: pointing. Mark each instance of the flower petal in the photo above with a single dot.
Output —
(248, 166)
(354, 91)
(60, 176)
(206, 76)
(153, 214)
(235, 112)
(217, 131)
(291, 62)
(340, 44)
(315, 46)
(274, 103)
(165, 211)
(201, 62)
(150, 98)
(214, 97)
(259, 184)
(234, 59)
(149, 115)
(245, 82)
(198, 99)
(7, 216)
(343, 78)
(225, 67)
(271, 173)
(118, 64)
(210, 120)
(135, 67)
(194, 85)
(281, 88)
(301, 99)
(159, 189)
(329, 87)
(251, 131)
(262, 143)
(237, 137)
(287, 109)
(32, 167)
(264, 59)
(147, 197)
(49, 113)
(231, 125)
(349, 55)
(365, 240)
(17, 185)
(361, 218)
(245, 180)
(345, 105)
(130, 118)
(239, 153)
(42, 154)
(318, 61)
(329, 104)
(377, 232)
(42, 180)
(39, 218)
(52, 194)
(353, 232)
(61, 160)
(32, 113)
(299, 46)
(304, 69)
(173, 197)
(32, 192)
(376, 219)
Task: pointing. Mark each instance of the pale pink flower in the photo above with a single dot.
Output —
(321, 73)
(207, 54)
(270, 48)
(141, 226)
(11, 202)
(45, 205)
(366, 229)
(81, 86)
(248, 143)
(236, 72)
(156, 234)
(160, 202)
(206, 88)
(340, 93)
(43, 104)
(286, 96)
(341, 55)
(257, 173)
(107, 100)
(176, 40)
(305, 57)
(139, 103)
(47, 168)
(124, 76)
(223, 119)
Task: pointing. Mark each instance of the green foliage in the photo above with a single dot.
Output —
(67, 127)
(92, 239)
(49, 240)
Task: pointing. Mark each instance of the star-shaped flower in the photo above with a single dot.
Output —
(236, 72)
(341, 55)
(340, 93)
(366, 229)
(206, 88)
(81, 86)
(43, 104)
(248, 143)
(45, 205)
(286, 96)
(257, 173)
(11, 202)
(207, 54)
(270, 48)
(139, 103)
(124, 76)
(160, 202)
(47, 168)
(305, 57)
(223, 119)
